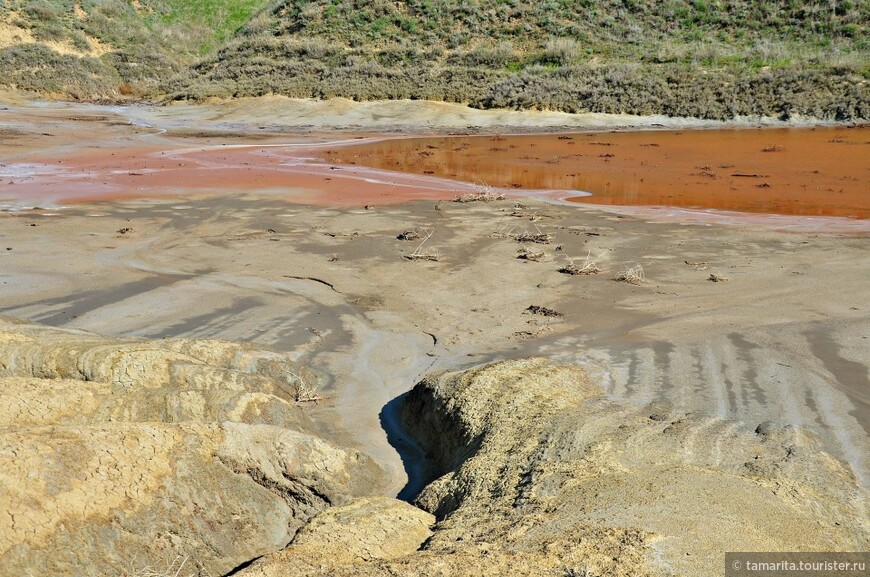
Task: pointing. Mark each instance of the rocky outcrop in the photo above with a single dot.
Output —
(118, 455)
(537, 465)
(344, 540)
(534, 473)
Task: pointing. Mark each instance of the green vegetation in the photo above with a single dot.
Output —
(710, 59)
(219, 18)
(120, 47)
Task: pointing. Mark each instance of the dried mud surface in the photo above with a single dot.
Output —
(732, 379)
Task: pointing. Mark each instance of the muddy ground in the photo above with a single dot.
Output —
(756, 319)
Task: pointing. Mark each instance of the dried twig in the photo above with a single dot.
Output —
(303, 392)
(421, 254)
(589, 266)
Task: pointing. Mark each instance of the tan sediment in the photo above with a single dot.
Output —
(135, 450)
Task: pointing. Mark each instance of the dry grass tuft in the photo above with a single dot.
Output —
(540, 237)
(479, 197)
(632, 275)
(537, 236)
(483, 193)
(534, 217)
(526, 253)
(589, 265)
(172, 569)
(523, 234)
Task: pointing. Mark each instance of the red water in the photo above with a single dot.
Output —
(818, 171)
(51, 157)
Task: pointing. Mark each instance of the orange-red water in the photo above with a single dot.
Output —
(52, 157)
(819, 171)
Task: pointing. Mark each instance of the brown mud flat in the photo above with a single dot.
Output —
(806, 172)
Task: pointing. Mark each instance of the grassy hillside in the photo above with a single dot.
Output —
(703, 58)
(109, 48)
(676, 57)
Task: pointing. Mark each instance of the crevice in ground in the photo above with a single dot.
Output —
(241, 567)
(417, 466)
(313, 279)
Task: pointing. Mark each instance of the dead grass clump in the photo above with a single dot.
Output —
(172, 569)
(536, 237)
(421, 253)
(632, 275)
(126, 89)
(534, 217)
(589, 265)
(562, 51)
(303, 391)
(483, 193)
(526, 253)
(523, 234)
(479, 197)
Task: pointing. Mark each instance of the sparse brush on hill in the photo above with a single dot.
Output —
(674, 57)
(101, 49)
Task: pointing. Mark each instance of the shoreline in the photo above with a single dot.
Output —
(285, 168)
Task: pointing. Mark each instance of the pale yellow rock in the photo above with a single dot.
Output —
(118, 455)
(347, 537)
(535, 458)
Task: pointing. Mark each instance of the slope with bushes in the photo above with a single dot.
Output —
(681, 58)
(707, 59)
(92, 49)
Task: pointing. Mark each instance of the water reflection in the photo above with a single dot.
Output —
(818, 171)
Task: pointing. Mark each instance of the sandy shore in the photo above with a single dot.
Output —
(782, 336)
